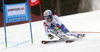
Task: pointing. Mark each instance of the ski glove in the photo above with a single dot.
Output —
(55, 31)
(50, 36)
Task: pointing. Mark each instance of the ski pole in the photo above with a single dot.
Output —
(82, 32)
(55, 36)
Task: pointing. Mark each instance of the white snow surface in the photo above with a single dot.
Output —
(19, 39)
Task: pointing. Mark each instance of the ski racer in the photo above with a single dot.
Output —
(52, 24)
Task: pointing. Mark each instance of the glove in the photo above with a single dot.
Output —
(55, 31)
(50, 36)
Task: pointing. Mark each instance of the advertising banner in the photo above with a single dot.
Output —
(16, 12)
(34, 2)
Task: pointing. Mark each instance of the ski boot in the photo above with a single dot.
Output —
(80, 36)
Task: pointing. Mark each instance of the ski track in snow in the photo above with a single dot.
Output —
(19, 39)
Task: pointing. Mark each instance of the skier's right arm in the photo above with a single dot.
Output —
(47, 30)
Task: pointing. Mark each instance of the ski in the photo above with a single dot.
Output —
(70, 41)
(61, 39)
(54, 41)
(64, 38)
(45, 42)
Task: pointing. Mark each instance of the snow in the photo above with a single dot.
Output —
(19, 39)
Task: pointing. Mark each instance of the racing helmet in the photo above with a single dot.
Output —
(47, 14)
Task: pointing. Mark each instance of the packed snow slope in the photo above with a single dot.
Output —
(19, 39)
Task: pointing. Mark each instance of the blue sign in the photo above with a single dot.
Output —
(16, 12)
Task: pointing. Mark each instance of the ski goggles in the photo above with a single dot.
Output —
(47, 17)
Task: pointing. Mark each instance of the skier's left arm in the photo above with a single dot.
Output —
(58, 22)
(57, 25)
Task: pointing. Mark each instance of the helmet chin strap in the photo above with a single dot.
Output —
(49, 20)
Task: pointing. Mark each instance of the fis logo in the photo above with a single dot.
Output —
(16, 9)
(33, 0)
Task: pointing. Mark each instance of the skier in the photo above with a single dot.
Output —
(53, 25)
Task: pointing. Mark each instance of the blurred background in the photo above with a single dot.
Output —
(58, 7)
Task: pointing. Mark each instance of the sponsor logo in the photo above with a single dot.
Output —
(13, 19)
(33, 0)
(46, 14)
(15, 9)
